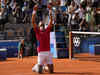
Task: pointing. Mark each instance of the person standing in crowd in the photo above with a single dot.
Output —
(43, 38)
(83, 26)
(71, 8)
(21, 49)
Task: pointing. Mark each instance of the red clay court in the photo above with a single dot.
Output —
(84, 64)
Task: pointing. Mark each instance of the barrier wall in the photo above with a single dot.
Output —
(88, 45)
(94, 49)
(58, 45)
(3, 54)
(11, 46)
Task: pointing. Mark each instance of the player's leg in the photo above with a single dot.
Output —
(40, 67)
(50, 63)
(20, 54)
(41, 59)
(50, 68)
(37, 68)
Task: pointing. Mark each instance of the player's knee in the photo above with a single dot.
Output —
(40, 69)
(50, 68)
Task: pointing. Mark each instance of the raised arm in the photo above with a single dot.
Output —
(33, 16)
(50, 14)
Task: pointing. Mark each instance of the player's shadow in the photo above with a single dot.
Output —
(73, 73)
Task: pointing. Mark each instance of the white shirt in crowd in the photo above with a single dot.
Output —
(12, 4)
(2, 3)
(80, 11)
(77, 2)
(63, 2)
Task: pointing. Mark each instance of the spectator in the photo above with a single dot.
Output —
(3, 4)
(13, 4)
(26, 12)
(20, 3)
(70, 11)
(82, 22)
(44, 8)
(17, 12)
(72, 7)
(89, 15)
(58, 16)
(31, 4)
(77, 2)
(21, 49)
(65, 19)
(75, 22)
(3, 18)
(95, 3)
(84, 4)
(28, 47)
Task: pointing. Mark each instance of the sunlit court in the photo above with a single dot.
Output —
(83, 64)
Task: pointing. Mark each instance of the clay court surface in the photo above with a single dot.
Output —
(84, 64)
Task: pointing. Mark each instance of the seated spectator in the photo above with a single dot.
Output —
(72, 7)
(18, 14)
(25, 12)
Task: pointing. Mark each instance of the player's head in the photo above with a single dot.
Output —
(41, 25)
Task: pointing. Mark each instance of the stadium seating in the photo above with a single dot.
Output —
(11, 46)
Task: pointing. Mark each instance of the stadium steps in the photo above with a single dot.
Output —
(2, 35)
(15, 31)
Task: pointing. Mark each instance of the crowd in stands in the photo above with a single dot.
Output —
(78, 14)
(74, 14)
(18, 9)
